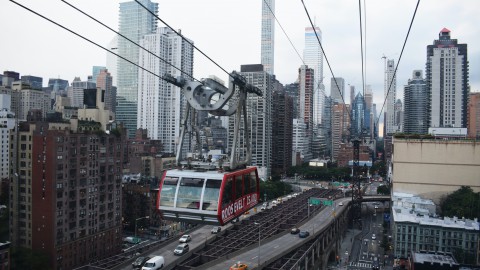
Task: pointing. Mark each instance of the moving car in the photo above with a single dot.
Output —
(154, 263)
(264, 206)
(295, 230)
(374, 237)
(303, 234)
(340, 204)
(185, 238)
(139, 262)
(235, 220)
(216, 229)
(181, 249)
(239, 266)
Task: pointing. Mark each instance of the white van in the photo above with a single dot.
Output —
(154, 263)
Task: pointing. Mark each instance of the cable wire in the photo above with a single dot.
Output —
(94, 43)
(135, 43)
(398, 62)
(188, 41)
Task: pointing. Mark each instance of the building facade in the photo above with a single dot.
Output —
(75, 91)
(447, 81)
(267, 52)
(134, 23)
(415, 97)
(431, 168)
(340, 126)
(25, 99)
(161, 105)
(473, 124)
(306, 93)
(104, 81)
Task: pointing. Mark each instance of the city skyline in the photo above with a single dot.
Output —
(339, 23)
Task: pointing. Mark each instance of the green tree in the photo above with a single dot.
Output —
(274, 189)
(25, 258)
(462, 203)
(383, 190)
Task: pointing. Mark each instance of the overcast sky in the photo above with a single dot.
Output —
(229, 32)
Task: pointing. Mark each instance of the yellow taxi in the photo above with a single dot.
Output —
(239, 266)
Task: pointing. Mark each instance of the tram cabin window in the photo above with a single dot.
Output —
(211, 194)
(189, 193)
(167, 196)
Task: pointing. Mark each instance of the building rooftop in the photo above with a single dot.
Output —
(434, 258)
(408, 215)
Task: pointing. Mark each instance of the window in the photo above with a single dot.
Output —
(189, 193)
(211, 194)
(227, 197)
(167, 195)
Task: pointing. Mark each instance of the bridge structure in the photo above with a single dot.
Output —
(291, 252)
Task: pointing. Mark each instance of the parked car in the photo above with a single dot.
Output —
(139, 262)
(239, 266)
(154, 263)
(185, 238)
(303, 234)
(216, 229)
(264, 206)
(181, 249)
(295, 230)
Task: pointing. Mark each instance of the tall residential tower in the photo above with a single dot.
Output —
(268, 35)
(447, 81)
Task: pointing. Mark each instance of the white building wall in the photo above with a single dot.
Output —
(160, 104)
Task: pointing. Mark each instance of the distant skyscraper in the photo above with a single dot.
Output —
(415, 97)
(473, 124)
(340, 126)
(134, 23)
(447, 81)
(337, 90)
(390, 92)
(292, 91)
(368, 97)
(326, 127)
(359, 115)
(313, 58)
(160, 104)
(268, 36)
(352, 94)
(95, 71)
(34, 81)
(104, 81)
(57, 85)
(75, 91)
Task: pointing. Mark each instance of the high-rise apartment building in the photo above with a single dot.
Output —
(71, 174)
(447, 81)
(326, 126)
(260, 109)
(292, 90)
(473, 124)
(313, 58)
(415, 97)
(267, 52)
(75, 91)
(390, 92)
(25, 99)
(352, 93)
(57, 85)
(161, 105)
(337, 90)
(282, 137)
(134, 23)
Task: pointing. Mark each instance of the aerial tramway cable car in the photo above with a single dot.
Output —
(202, 192)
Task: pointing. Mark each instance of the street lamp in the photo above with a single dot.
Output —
(136, 223)
(258, 258)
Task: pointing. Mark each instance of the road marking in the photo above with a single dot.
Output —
(275, 246)
(254, 257)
